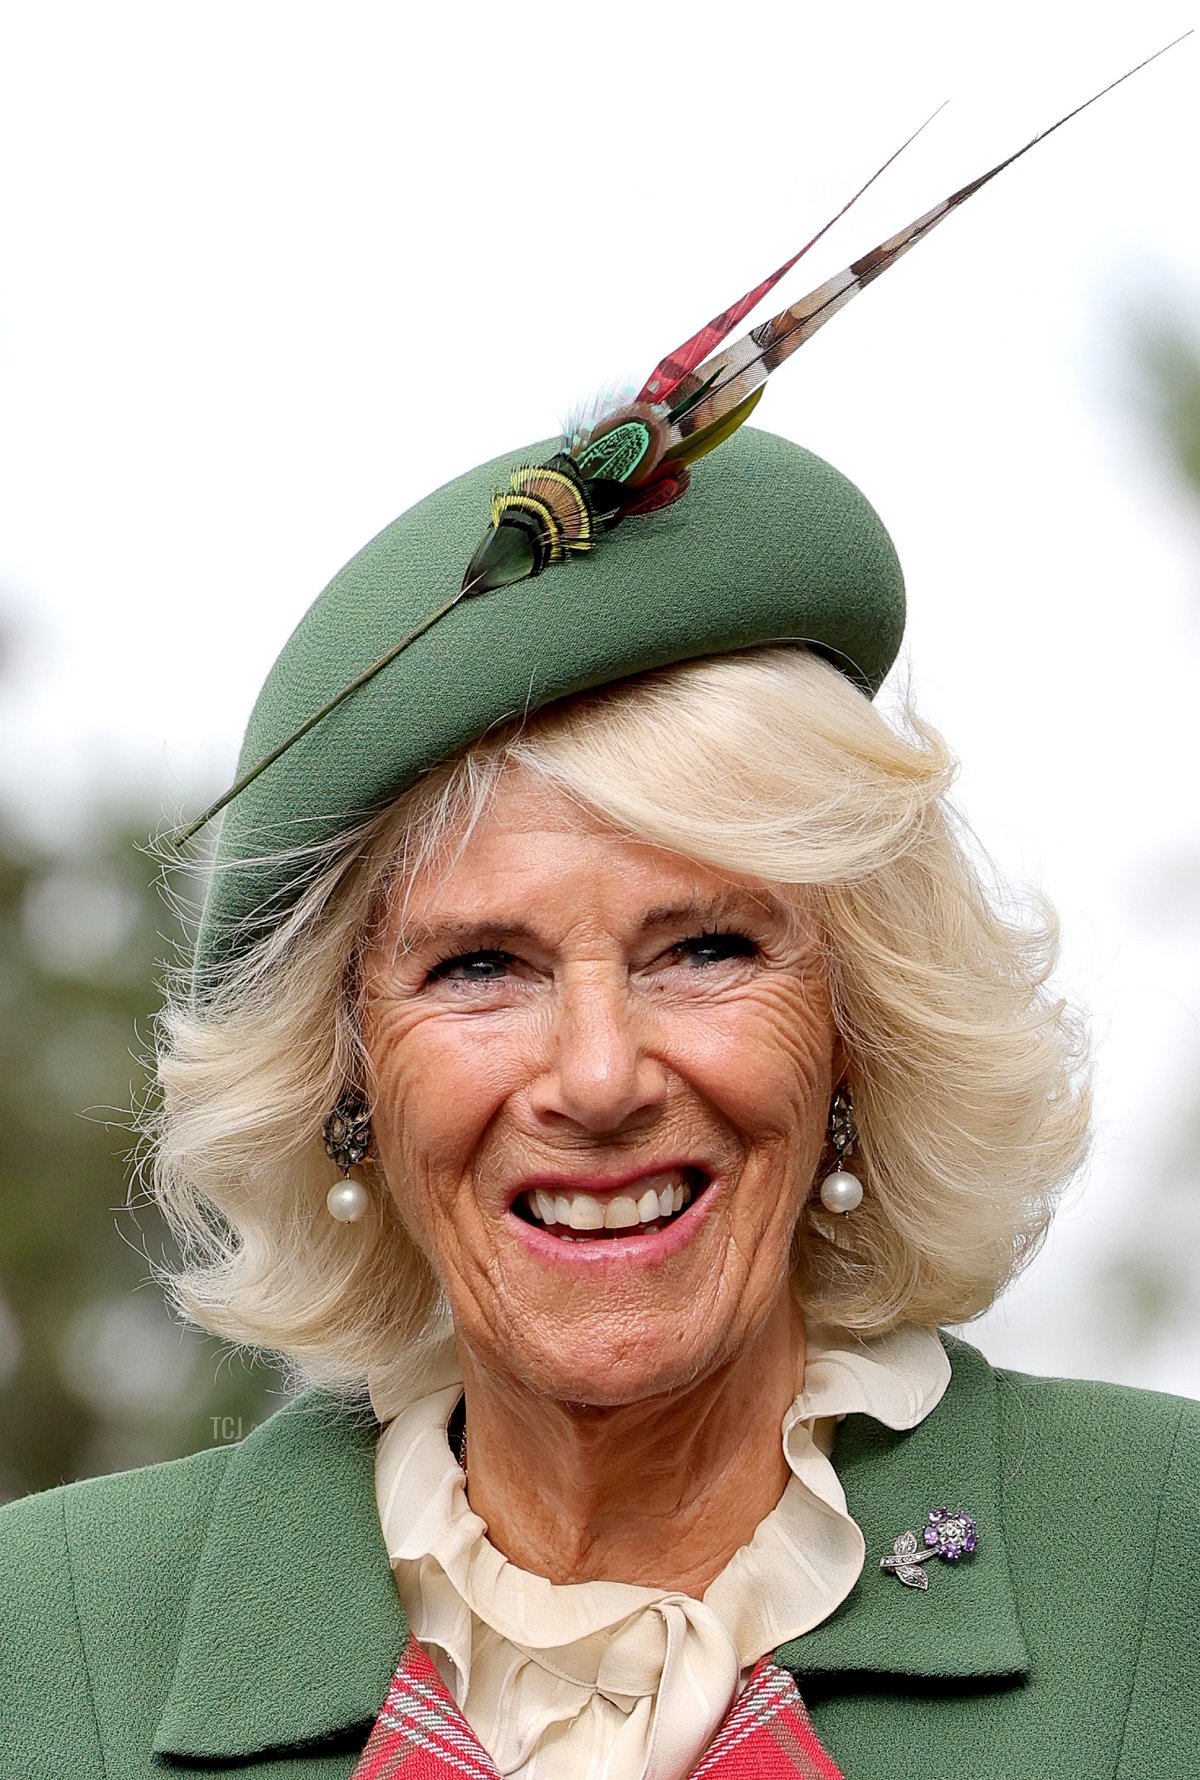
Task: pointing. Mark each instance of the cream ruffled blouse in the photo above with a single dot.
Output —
(605, 1680)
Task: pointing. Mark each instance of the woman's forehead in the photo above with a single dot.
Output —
(536, 850)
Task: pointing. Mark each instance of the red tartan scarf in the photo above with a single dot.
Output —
(422, 1735)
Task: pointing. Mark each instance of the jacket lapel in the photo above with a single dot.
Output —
(966, 1623)
(294, 1625)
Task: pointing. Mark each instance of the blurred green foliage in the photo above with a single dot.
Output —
(1170, 360)
(94, 1374)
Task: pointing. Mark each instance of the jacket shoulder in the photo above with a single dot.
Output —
(1088, 1446)
(1101, 1487)
(111, 1552)
(106, 1522)
(1133, 1431)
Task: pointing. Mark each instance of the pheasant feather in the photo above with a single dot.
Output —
(633, 459)
(667, 375)
(732, 377)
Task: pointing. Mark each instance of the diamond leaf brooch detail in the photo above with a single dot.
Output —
(948, 1533)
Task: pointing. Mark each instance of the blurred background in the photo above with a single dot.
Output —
(273, 272)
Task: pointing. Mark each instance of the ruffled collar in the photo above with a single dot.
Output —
(612, 1665)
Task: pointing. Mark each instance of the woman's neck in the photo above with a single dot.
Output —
(660, 1493)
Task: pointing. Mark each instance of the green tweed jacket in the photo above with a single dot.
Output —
(233, 1614)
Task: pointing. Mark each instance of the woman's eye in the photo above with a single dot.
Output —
(472, 967)
(714, 948)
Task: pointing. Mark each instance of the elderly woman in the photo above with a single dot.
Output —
(681, 1076)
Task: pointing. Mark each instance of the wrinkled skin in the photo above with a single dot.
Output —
(567, 1002)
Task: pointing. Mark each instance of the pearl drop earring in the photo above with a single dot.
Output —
(841, 1191)
(347, 1201)
(347, 1137)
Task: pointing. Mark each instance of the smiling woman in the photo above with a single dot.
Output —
(602, 1115)
(722, 854)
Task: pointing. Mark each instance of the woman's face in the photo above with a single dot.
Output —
(573, 1034)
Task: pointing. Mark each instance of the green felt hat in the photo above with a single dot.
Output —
(654, 552)
(771, 545)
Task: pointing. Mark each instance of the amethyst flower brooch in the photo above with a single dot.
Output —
(948, 1533)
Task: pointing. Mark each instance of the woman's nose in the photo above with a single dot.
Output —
(599, 1073)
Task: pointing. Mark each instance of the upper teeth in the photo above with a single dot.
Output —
(659, 1197)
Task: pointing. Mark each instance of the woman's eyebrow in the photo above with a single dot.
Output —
(703, 911)
(468, 936)
(693, 913)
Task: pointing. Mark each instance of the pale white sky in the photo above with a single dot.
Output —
(274, 271)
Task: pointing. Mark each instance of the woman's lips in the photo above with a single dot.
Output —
(644, 1217)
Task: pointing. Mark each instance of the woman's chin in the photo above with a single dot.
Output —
(610, 1365)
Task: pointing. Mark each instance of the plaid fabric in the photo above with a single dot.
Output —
(422, 1735)
(767, 1735)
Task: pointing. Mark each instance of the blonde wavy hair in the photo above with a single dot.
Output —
(969, 1075)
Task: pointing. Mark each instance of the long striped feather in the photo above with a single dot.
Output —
(670, 372)
(735, 375)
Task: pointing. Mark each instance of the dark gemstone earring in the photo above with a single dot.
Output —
(842, 1191)
(347, 1136)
